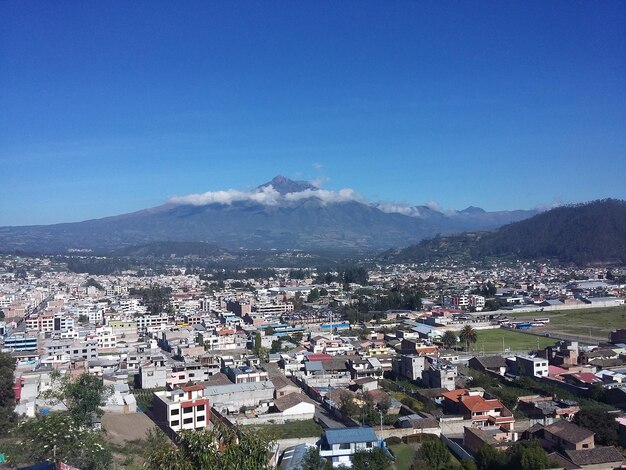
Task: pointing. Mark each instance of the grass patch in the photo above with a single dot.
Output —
(490, 341)
(307, 428)
(405, 454)
(585, 322)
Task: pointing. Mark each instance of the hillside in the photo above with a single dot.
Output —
(582, 233)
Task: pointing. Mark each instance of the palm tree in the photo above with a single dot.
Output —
(449, 339)
(468, 335)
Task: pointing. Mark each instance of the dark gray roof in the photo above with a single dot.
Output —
(491, 362)
(598, 455)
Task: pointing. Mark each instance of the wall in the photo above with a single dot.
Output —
(270, 418)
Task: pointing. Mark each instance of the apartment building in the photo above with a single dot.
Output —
(184, 408)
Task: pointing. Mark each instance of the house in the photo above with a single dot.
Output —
(531, 366)
(410, 366)
(562, 435)
(339, 445)
(472, 405)
(284, 386)
(439, 374)
(425, 422)
(546, 410)
(495, 364)
(499, 438)
(295, 406)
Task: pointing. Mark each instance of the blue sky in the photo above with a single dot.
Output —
(110, 107)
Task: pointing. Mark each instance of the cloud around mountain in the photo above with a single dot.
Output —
(282, 191)
(268, 196)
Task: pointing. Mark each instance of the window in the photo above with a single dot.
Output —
(344, 446)
(174, 423)
(187, 409)
(200, 408)
(187, 420)
(369, 445)
(200, 418)
(175, 411)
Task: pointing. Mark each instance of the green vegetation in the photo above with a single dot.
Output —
(81, 396)
(59, 435)
(405, 454)
(490, 341)
(7, 395)
(583, 233)
(607, 430)
(156, 298)
(523, 455)
(374, 459)
(433, 455)
(291, 429)
(208, 449)
(449, 339)
(585, 322)
(508, 392)
(468, 336)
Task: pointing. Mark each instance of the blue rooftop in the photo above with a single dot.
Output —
(348, 435)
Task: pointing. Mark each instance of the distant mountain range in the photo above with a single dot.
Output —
(280, 214)
(594, 232)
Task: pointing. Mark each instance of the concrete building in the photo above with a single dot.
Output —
(185, 408)
(410, 366)
(531, 366)
(231, 397)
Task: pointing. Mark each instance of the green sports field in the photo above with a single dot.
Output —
(490, 341)
(589, 323)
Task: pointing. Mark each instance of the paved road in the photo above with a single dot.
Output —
(322, 417)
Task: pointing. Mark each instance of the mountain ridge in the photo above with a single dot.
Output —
(580, 233)
(279, 214)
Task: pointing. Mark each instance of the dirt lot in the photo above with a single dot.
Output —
(124, 428)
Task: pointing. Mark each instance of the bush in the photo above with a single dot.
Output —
(393, 440)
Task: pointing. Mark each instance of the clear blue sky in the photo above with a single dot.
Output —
(110, 107)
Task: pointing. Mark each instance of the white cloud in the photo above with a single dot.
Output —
(267, 196)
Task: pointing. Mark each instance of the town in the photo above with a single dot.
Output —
(391, 362)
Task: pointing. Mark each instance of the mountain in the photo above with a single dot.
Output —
(584, 233)
(280, 214)
(285, 185)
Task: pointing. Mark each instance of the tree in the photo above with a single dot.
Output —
(449, 339)
(82, 396)
(1, 314)
(528, 456)
(596, 420)
(434, 453)
(488, 458)
(208, 449)
(82, 318)
(374, 459)
(257, 343)
(468, 335)
(312, 460)
(58, 436)
(7, 394)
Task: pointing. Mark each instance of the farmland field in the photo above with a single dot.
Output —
(490, 341)
(590, 323)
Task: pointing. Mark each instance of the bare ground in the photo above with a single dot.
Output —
(124, 428)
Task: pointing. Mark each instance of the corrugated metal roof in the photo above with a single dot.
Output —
(348, 435)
